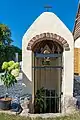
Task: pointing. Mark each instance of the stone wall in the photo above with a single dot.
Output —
(76, 90)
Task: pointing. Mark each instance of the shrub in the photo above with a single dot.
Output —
(11, 71)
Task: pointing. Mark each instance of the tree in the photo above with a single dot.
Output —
(5, 35)
(7, 51)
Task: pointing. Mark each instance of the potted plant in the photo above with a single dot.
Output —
(11, 71)
(39, 101)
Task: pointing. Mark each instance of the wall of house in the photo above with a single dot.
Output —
(77, 43)
(77, 56)
(77, 61)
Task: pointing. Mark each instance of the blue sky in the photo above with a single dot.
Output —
(20, 14)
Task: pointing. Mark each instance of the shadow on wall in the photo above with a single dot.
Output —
(28, 84)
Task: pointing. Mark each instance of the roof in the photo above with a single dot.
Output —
(48, 22)
(76, 31)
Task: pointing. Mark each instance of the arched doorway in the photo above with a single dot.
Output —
(47, 51)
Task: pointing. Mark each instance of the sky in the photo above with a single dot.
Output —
(18, 15)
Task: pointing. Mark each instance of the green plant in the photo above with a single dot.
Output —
(11, 71)
(7, 53)
(7, 50)
(73, 116)
(5, 35)
(39, 100)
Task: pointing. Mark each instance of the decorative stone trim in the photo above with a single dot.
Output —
(48, 36)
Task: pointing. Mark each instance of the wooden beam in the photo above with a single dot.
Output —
(40, 55)
(42, 67)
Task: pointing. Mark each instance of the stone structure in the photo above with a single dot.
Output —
(76, 89)
(49, 59)
(44, 41)
(47, 36)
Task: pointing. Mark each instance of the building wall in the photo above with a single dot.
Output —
(77, 43)
(68, 72)
(49, 22)
(77, 56)
(77, 61)
(41, 26)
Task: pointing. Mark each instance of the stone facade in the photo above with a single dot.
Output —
(76, 89)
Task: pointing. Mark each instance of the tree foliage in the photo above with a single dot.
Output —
(7, 51)
(5, 35)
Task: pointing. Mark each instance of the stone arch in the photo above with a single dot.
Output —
(48, 36)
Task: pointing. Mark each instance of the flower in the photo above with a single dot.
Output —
(11, 63)
(16, 65)
(11, 72)
(11, 67)
(15, 72)
(5, 65)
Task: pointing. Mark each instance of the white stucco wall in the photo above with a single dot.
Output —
(68, 72)
(49, 22)
(77, 43)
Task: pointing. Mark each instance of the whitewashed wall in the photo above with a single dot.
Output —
(49, 22)
(77, 43)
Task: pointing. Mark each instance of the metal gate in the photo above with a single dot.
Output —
(52, 102)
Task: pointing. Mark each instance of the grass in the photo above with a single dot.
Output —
(14, 117)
